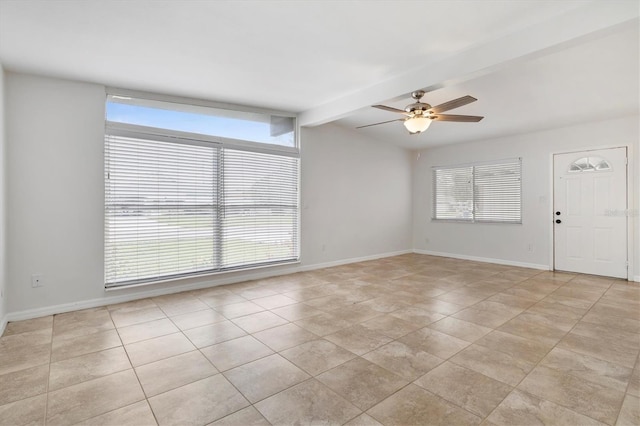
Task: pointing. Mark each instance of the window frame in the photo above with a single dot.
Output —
(126, 130)
(474, 198)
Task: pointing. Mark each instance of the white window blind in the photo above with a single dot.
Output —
(178, 206)
(483, 192)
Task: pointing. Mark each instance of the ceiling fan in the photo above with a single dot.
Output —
(419, 115)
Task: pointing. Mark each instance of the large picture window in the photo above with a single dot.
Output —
(482, 192)
(196, 193)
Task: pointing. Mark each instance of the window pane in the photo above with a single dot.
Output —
(497, 192)
(253, 127)
(160, 209)
(260, 222)
(454, 193)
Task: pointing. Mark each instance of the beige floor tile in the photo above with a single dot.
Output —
(438, 306)
(384, 304)
(390, 326)
(146, 330)
(363, 420)
(634, 381)
(436, 343)
(23, 384)
(28, 338)
(197, 319)
(259, 321)
(555, 309)
(235, 310)
(497, 365)
(178, 304)
(520, 408)
(296, 312)
(19, 357)
(461, 329)
(358, 339)
(587, 368)
(246, 417)
(309, 402)
(256, 292)
(616, 352)
(262, 378)
(584, 397)
(92, 398)
(233, 353)
(361, 382)
(630, 412)
(158, 348)
(133, 305)
(87, 367)
(415, 406)
(568, 301)
(17, 327)
(26, 412)
(138, 414)
(552, 321)
(602, 318)
(221, 299)
(625, 339)
(284, 336)
(197, 403)
(214, 333)
(90, 323)
(417, 316)
(317, 356)
(123, 318)
(516, 346)
(523, 328)
(405, 361)
(482, 317)
(461, 297)
(275, 301)
(511, 300)
(323, 324)
(171, 373)
(472, 391)
(69, 348)
(356, 313)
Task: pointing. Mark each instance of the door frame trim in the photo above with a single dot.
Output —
(630, 170)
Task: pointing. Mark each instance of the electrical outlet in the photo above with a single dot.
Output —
(37, 280)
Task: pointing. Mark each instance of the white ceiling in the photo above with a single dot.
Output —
(330, 59)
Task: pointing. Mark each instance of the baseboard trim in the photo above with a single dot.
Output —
(636, 278)
(110, 300)
(3, 324)
(484, 259)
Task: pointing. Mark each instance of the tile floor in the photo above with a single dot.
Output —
(408, 340)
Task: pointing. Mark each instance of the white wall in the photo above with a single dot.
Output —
(506, 242)
(3, 207)
(356, 197)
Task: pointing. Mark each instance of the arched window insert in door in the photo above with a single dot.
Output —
(590, 164)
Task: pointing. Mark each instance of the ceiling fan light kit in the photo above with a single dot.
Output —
(419, 115)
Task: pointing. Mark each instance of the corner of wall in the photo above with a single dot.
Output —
(3, 225)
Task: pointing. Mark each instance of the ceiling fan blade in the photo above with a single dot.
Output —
(456, 103)
(386, 108)
(382, 122)
(461, 118)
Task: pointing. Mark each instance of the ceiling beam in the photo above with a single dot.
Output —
(577, 26)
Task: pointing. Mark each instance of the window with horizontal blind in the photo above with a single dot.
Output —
(480, 192)
(179, 204)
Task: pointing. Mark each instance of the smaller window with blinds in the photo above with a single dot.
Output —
(488, 192)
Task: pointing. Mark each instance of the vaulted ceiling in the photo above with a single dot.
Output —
(531, 63)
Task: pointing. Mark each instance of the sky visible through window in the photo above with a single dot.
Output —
(203, 124)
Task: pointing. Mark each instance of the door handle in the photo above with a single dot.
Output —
(558, 221)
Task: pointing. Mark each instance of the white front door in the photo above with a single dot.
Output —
(590, 212)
